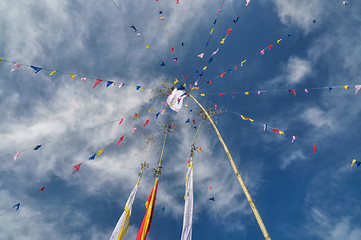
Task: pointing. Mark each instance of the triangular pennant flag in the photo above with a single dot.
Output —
(16, 156)
(200, 55)
(357, 88)
(136, 115)
(36, 69)
(156, 115)
(52, 73)
(146, 122)
(120, 140)
(100, 152)
(17, 206)
(16, 66)
(109, 83)
(76, 168)
(41, 189)
(37, 147)
(73, 76)
(121, 120)
(93, 156)
(97, 81)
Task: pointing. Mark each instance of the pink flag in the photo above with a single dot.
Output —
(83, 79)
(306, 90)
(120, 140)
(163, 111)
(219, 10)
(165, 104)
(357, 88)
(121, 85)
(138, 34)
(76, 168)
(97, 82)
(121, 120)
(293, 139)
(16, 156)
(214, 52)
(134, 129)
(233, 95)
(314, 149)
(262, 51)
(247, 1)
(196, 83)
(146, 122)
(215, 106)
(201, 55)
(177, 2)
(259, 92)
(188, 160)
(235, 68)
(16, 66)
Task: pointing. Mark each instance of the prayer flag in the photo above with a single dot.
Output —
(16, 156)
(137, 88)
(76, 168)
(100, 152)
(150, 110)
(222, 74)
(204, 68)
(156, 115)
(262, 51)
(16, 66)
(109, 83)
(357, 88)
(36, 69)
(120, 140)
(247, 93)
(243, 62)
(41, 189)
(247, 2)
(93, 156)
(136, 115)
(83, 79)
(52, 73)
(133, 28)
(229, 31)
(176, 80)
(97, 81)
(259, 92)
(346, 87)
(121, 85)
(188, 120)
(17, 206)
(200, 55)
(37, 147)
(147, 220)
(306, 90)
(123, 223)
(188, 206)
(73, 75)
(212, 199)
(222, 41)
(279, 40)
(121, 120)
(314, 149)
(146, 122)
(175, 100)
(293, 139)
(172, 49)
(264, 127)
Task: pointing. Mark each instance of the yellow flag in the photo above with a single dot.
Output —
(184, 85)
(73, 76)
(100, 152)
(150, 110)
(186, 105)
(205, 68)
(194, 88)
(279, 40)
(281, 132)
(211, 31)
(247, 93)
(222, 40)
(0, 59)
(346, 87)
(202, 94)
(251, 120)
(243, 62)
(144, 88)
(52, 73)
(176, 80)
(147, 46)
(162, 18)
(353, 161)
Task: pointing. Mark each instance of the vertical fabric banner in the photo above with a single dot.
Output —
(188, 206)
(147, 220)
(122, 226)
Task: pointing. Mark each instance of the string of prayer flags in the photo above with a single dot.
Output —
(73, 76)
(16, 66)
(37, 147)
(120, 140)
(97, 81)
(16, 156)
(36, 69)
(77, 167)
(17, 206)
(100, 152)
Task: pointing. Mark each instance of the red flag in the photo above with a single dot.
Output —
(229, 31)
(121, 120)
(76, 168)
(186, 77)
(194, 122)
(147, 220)
(120, 140)
(235, 68)
(41, 189)
(270, 46)
(275, 130)
(97, 82)
(172, 49)
(314, 149)
(222, 94)
(222, 74)
(146, 122)
(233, 95)
(136, 115)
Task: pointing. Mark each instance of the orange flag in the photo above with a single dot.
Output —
(147, 220)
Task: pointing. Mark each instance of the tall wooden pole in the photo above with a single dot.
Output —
(143, 165)
(248, 196)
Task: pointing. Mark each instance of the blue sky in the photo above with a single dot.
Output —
(299, 194)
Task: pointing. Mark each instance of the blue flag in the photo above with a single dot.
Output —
(92, 157)
(109, 83)
(36, 69)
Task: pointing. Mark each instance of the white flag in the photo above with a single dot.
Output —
(175, 99)
(188, 206)
(201, 55)
(122, 226)
(357, 88)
